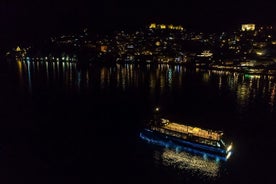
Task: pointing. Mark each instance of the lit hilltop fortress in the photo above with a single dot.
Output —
(164, 26)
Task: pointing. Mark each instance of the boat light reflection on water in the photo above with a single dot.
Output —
(184, 161)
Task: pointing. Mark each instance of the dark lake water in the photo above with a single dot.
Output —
(61, 123)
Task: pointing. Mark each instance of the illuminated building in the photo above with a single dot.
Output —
(248, 27)
(164, 26)
(152, 26)
(103, 48)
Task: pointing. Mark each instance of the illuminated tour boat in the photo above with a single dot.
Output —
(208, 143)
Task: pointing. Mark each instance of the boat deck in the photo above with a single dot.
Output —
(208, 134)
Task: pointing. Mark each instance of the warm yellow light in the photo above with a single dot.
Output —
(205, 53)
(163, 26)
(157, 43)
(248, 27)
(228, 155)
(152, 26)
(229, 148)
(18, 49)
(189, 162)
(260, 53)
(179, 28)
(103, 48)
(171, 26)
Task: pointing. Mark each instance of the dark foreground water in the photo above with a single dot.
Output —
(61, 123)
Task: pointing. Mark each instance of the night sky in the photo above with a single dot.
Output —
(33, 19)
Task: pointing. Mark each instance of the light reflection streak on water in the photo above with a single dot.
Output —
(67, 79)
(29, 76)
(70, 76)
(220, 81)
(234, 81)
(104, 77)
(118, 75)
(129, 79)
(68, 69)
(245, 88)
(206, 77)
(136, 77)
(38, 66)
(243, 92)
(170, 77)
(251, 89)
(20, 71)
(58, 70)
(184, 161)
(63, 67)
(54, 70)
(78, 79)
(180, 74)
(63, 70)
(86, 77)
(34, 68)
(47, 70)
(152, 82)
(272, 97)
(123, 78)
(162, 77)
(73, 74)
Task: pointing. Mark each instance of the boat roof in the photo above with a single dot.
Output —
(207, 134)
